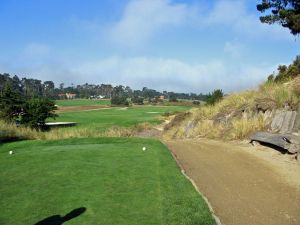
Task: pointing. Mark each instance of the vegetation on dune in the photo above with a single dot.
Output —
(112, 178)
(240, 114)
(286, 73)
(214, 97)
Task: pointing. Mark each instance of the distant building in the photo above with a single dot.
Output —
(61, 95)
(161, 97)
(97, 97)
(70, 95)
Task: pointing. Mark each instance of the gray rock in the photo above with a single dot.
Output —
(288, 122)
(289, 142)
(296, 127)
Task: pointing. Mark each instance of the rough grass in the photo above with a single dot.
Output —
(237, 115)
(10, 132)
(112, 178)
(113, 122)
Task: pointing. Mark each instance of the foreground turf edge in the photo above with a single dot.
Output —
(168, 198)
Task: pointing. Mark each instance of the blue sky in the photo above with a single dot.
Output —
(173, 45)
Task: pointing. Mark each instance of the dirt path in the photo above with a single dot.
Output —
(81, 108)
(242, 187)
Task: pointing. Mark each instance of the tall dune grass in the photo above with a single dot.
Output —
(12, 132)
(237, 115)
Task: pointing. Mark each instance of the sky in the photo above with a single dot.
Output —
(173, 45)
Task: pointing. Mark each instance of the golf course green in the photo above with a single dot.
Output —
(112, 179)
(102, 119)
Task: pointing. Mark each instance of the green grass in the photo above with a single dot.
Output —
(106, 118)
(82, 102)
(112, 178)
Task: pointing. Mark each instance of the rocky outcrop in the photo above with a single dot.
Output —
(284, 131)
(288, 142)
(284, 122)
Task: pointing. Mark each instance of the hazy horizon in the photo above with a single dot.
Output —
(174, 45)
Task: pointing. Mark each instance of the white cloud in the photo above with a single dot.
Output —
(158, 73)
(172, 74)
(235, 15)
(142, 19)
(233, 48)
(226, 12)
(35, 50)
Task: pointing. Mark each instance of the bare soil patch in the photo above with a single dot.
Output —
(245, 185)
(80, 108)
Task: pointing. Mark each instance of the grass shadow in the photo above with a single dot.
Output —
(4, 140)
(59, 220)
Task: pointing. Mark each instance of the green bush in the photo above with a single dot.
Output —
(36, 111)
(214, 97)
(286, 73)
(119, 100)
(172, 98)
(137, 100)
(10, 104)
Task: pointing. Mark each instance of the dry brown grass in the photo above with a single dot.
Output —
(242, 128)
(279, 93)
(238, 115)
(296, 86)
(11, 132)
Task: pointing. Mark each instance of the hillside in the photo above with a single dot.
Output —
(238, 115)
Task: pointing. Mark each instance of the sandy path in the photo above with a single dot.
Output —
(243, 188)
(81, 108)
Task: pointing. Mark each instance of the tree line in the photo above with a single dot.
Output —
(16, 107)
(285, 73)
(29, 88)
(30, 101)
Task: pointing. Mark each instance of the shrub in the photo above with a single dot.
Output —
(214, 97)
(137, 100)
(172, 98)
(119, 100)
(286, 73)
(10, 104)
(36, 111)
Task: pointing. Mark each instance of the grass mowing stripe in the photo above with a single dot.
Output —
(103, 119)
(161, 216)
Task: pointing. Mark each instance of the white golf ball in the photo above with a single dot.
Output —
(11, 152)
(144, 148)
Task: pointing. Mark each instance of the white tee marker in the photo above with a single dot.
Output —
(144, 148)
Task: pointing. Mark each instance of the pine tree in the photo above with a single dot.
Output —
(284, 12)
(10, 104)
